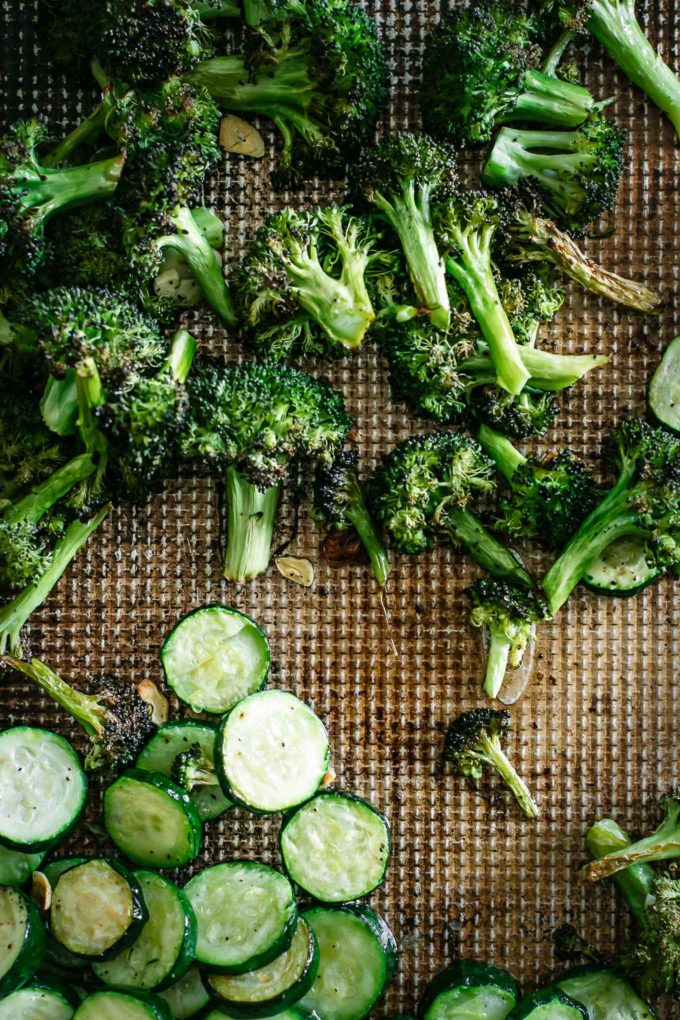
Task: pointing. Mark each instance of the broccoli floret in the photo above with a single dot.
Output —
(547, 498)
(662, 845)
(481, 69)
(473, 740)
(86, 249)
(424, 490)
(257, 422)
(578, 171)
(114, 716)
(29, 452)
(317, 70)
(340, 503)
(510, 613)
(644, 502)
(530, 413)
(192, 769)
(401, 178)
(570, 945)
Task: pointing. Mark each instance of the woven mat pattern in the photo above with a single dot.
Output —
(596, 731)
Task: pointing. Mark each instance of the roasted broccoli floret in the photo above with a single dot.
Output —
(473, 740)
(402, 178)
(317, 70)
(302, 287)
(257, 422)
(114, 715)
(340, 503)
(547, 498)
(644, 503)
(424, 490)
(482, 69)
(192, 769)
(578, 171)
(510, 614)
(86, 249)
(662, 845)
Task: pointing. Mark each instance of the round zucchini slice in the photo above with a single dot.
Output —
(622, 569)
(122, 1004)
(42, 789)
(188, 996)
(357, 957)
(605, 995)
(42, 999)
(664, 388)
(469, 988)
(22, 939)
(164, 949)
(97, 908)
(152, 820)
(216, 1011)
(214, 657)
(16, 867)
(173, 739)
(548, 1004)
(269, 990)
(272, 752)
(336, 847)
(246, 915)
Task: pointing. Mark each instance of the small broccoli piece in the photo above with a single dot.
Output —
(257, 422)
(570, 945)
(192, 769)
(317, 70)
(473, 740)
(510, 613)
(401, 178)
(302, 287)
(547, 498)
(481, 70)
(635, 881)
(424, 490)
(86, 249)
(113, 715)
(29, 452)
(530, 413)
(578, 171)
(340, 503)
(644, 502)
(662, 845)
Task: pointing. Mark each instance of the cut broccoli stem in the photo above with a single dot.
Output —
(36, 503)
(181, 355)
(55, 190)
(496, 663)
(464, 528)
(550, 100)
(505, 455)
(203, 261)
(494, 756)
(557, 51)
(14, 615)
(513, 158)
(661, 845)
(357, 512)
(251, 514)
(87, 129)
(552, 372)
(85, 708)
(637, 880)
(615, 25)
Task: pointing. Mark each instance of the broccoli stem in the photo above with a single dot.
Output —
(85, 708)
(615, 25)
(181, 355)
(557, 51)
(637, 880)
(496, 663)
(36, 503)
(89, 128)
(505, 455)
(661, 845)
(494, 756)
(552, 372)
(464, 528)
(14, 615)
(203, 261)
(512, 159)
(251, 515)
(550, 100)
(357, 512)
(54, 190)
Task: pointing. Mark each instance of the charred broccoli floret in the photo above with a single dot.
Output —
(424, 490)
(662, 845)
(340, 503)
(510, 614)
(192, 769)
(114, 716)
(256, 422)
(473, 740)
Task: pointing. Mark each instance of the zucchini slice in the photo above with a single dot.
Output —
(605, 996)
(171, 740)
(214, 657)
(152, 820)
(97, 908)
(336, 847)
(357, 957)
(42, 788)
(469, 988)
(42, 999)
(188, 996)
(664, 388)
(217, 1011)
(548, 1004)
(269, 990)
(246, 915)
(272, 752)
(622, 569)
(164, 949)
(22, 939)
(122, 1004)
(17, 867)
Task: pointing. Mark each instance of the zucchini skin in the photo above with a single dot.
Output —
(594, 968)
(55, 986)
(32, 950)
(160, 1009)
(466, 974)
(545, 997)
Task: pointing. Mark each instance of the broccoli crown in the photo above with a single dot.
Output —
(26, 549)
(123, 721)
(337, 489)
(529, 414)
(21, 177)
(85, 249)
(422, 480)
(470, 213)
(509, 611)
(474, 67)
(469, 735)
(191, 768)
(29, 453)
(262, 418)
(530, 298)
(407, 163)
(651, 960)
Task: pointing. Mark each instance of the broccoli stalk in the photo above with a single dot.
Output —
(635, 881)
(191, 769)
(32, 507)
(251, 516)
(662, 845)
(473, 740)
(546, 99)
(547, 371)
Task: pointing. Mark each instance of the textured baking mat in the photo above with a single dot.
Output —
(596, 731)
